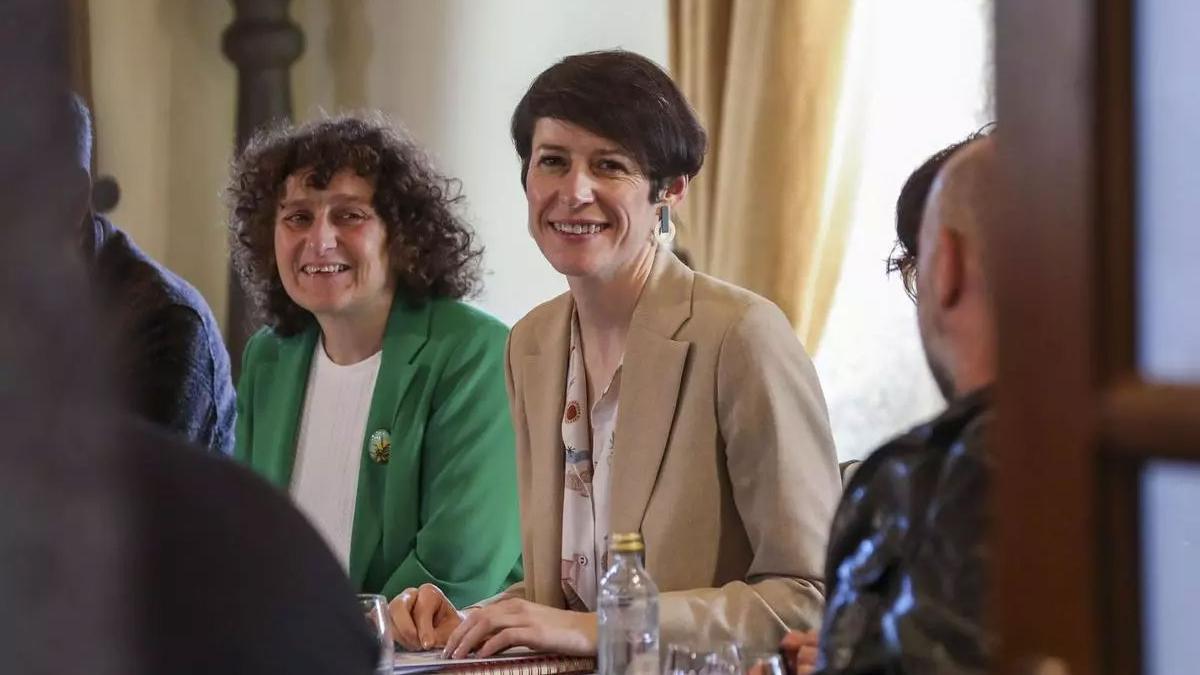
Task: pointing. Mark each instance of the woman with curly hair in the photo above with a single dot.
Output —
(373, 394)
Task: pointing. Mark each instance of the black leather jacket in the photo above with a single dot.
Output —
(907, 554)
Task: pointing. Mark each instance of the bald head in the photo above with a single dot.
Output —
(952, 305)
(963, 196)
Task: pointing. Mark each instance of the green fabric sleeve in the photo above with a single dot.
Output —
(469, 543)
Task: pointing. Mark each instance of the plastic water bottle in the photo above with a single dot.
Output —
(628, 611)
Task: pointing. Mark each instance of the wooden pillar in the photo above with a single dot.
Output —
(263, 42)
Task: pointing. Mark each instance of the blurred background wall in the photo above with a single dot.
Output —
(164, 99)
(912, 78)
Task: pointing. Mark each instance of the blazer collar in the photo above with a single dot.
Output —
(666, 300)
(407, 331)
(651, 377)
(285, 380)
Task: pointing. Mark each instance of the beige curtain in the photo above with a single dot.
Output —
(770, 209)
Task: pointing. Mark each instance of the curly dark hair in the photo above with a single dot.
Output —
(910, 208)
(624, 97)
(431, 249)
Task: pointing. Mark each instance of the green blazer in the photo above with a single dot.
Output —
(443, 508)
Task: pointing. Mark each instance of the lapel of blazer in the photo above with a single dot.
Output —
(407, 331)
(284, 381)
(650, 378)
(544, 374)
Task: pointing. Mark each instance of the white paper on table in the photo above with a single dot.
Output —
(410, 663)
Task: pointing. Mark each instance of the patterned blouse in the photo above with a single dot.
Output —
(588, 434)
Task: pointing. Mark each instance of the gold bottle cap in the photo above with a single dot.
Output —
(626, 542)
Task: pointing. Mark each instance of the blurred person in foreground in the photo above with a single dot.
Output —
(648, 397)
(116, 556)
(374, 395)
(170, 364)
(907, 554)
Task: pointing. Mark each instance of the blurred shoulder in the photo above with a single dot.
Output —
(144, 285)
(212, 532)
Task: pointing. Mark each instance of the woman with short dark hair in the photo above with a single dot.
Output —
(374, 395)
(648, 397)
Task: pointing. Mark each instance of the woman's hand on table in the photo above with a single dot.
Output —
(423, 618)
(799, 648)
(519, 623)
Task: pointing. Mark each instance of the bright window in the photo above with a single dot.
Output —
(917, 79)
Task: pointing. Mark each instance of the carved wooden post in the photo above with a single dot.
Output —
(263, 42)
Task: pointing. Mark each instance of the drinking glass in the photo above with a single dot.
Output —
(764, 663)
(374, 608)
(722, 659)
(682, 660)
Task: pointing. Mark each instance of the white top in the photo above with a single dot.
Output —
(330, 445)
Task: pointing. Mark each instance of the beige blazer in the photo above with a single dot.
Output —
(724, 459)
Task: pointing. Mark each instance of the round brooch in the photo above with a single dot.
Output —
(380, 447)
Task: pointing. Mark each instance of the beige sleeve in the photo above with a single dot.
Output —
(784, 477)
(517, 591)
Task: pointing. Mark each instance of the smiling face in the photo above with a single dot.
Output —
(589, 202)
(331, 247)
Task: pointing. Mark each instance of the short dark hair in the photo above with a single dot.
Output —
(623, 97)
(431, 249)
(910, 207)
